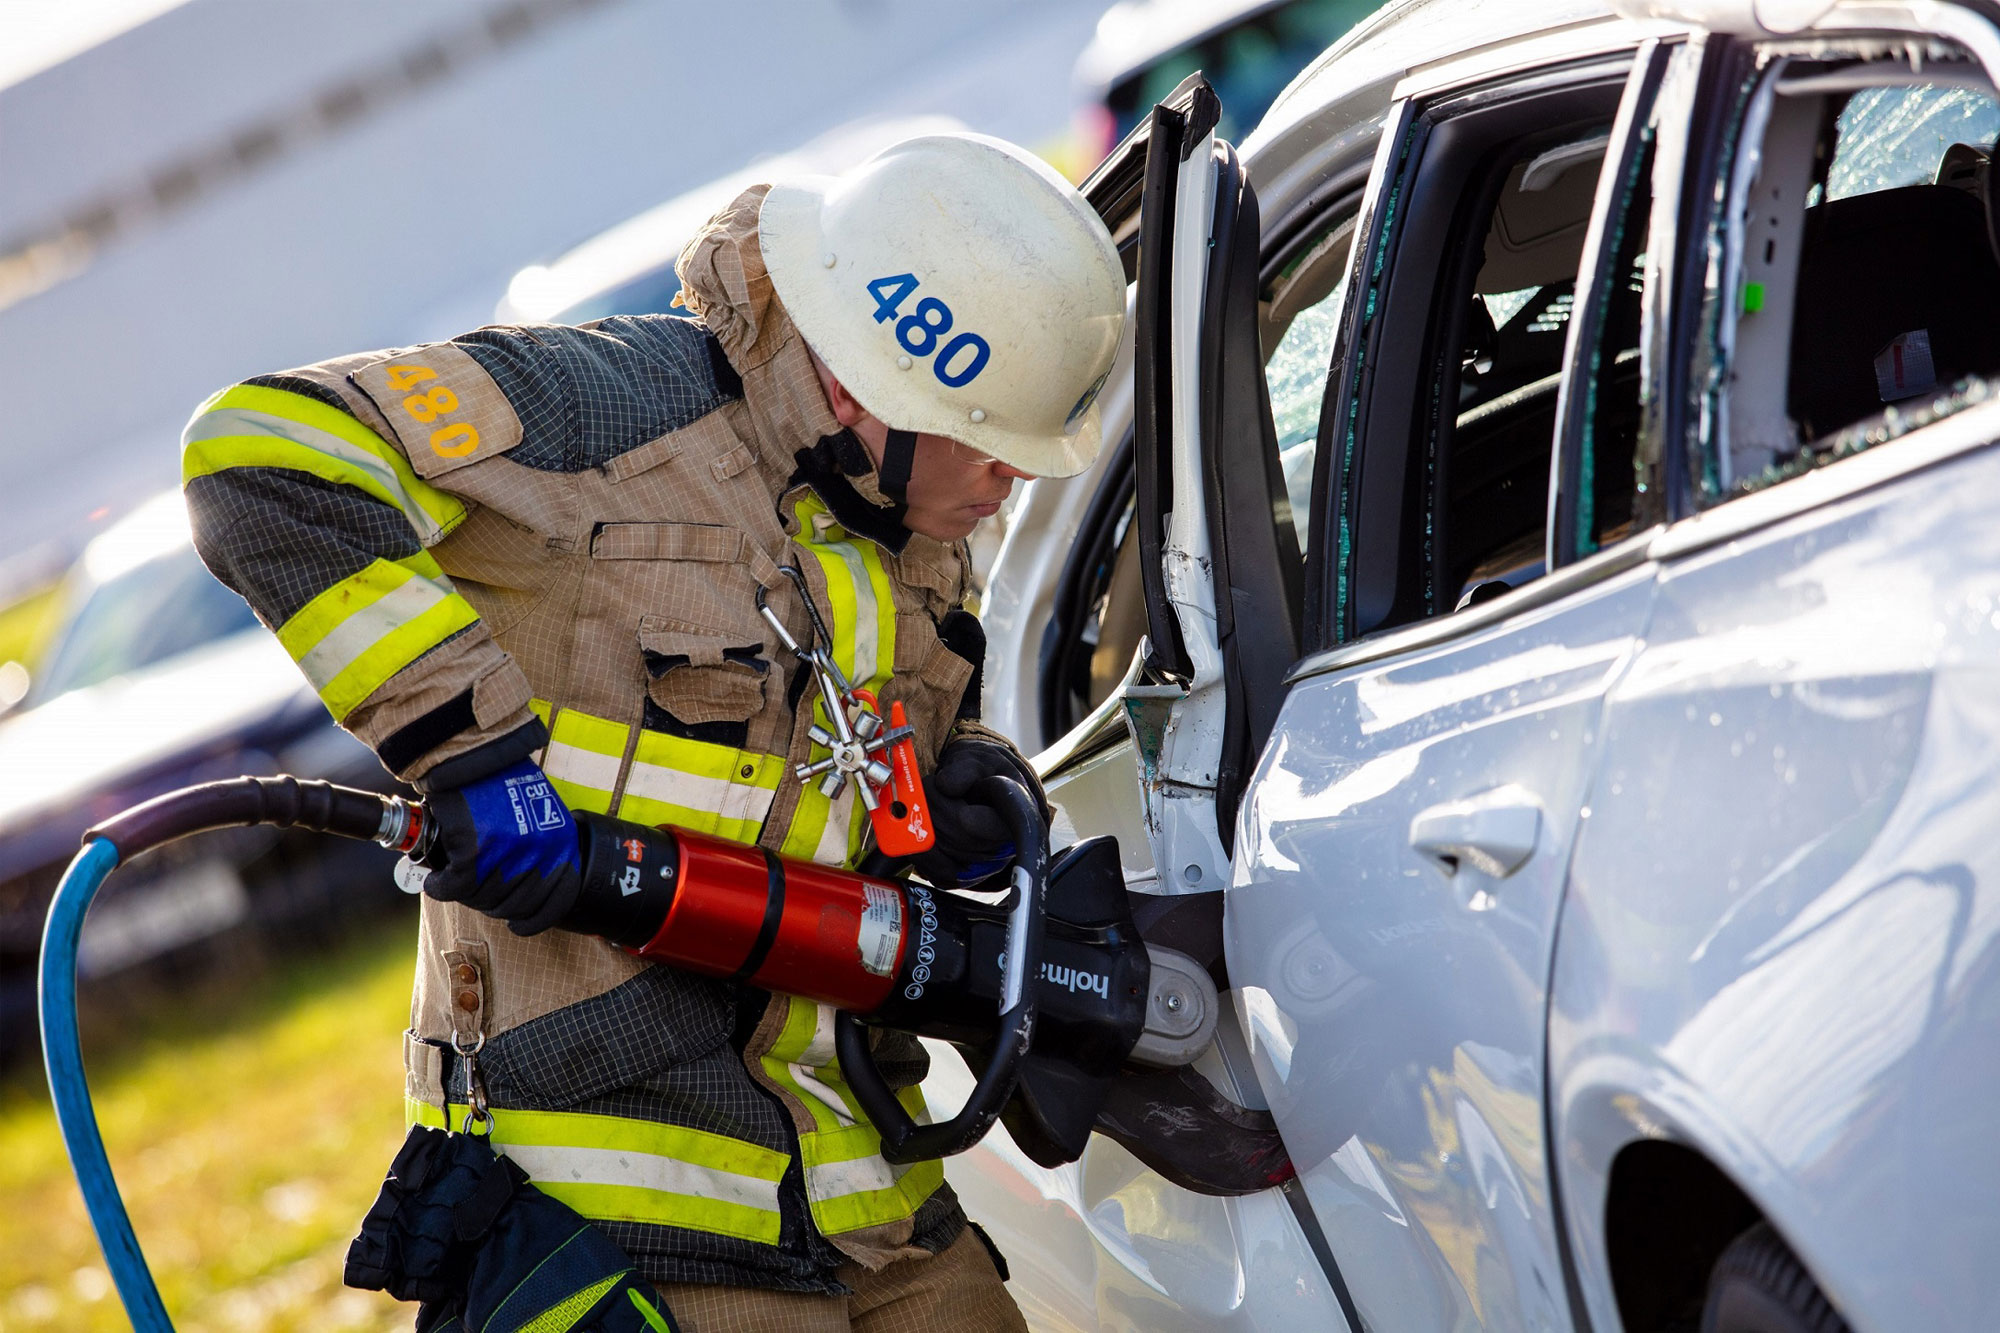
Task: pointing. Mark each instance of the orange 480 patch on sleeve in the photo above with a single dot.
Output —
(445, 409)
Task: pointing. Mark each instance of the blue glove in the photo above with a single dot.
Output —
(506, 846)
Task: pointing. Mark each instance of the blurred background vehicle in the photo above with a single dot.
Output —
(158, 677)
(1248, 50)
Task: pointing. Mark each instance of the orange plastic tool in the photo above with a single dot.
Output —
(902, 816)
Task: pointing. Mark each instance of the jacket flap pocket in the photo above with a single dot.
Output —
(710, 542)
(442, 405)
(700, 675)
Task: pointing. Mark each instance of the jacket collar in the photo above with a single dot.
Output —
(725, 285)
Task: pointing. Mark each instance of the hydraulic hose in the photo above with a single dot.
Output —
(285, 802)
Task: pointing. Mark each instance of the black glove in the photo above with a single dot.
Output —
(461, 1230)
(506, 846)
(973, 841)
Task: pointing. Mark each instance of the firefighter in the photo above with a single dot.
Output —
(523, 565)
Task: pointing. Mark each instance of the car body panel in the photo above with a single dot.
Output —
(1830, 912)
(204, 710)
(1395, 1012)
(1105, 1243)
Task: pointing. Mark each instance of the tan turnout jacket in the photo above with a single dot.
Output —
(552, 539)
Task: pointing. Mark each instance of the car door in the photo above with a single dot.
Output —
(1402, 846)
(1777, 980)
(1106, 1241)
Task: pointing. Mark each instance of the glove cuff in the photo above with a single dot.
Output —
(972, 729)
(499, 753)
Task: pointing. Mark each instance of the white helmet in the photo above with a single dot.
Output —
(956, 285)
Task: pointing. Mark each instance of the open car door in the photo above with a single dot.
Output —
(1184, 1203)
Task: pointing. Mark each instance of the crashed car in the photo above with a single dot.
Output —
(158, 677)
(1542, 613)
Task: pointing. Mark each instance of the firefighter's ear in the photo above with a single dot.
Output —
(847, 410)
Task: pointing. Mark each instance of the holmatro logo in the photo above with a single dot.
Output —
(1071, 979)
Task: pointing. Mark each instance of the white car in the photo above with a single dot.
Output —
(1544, 614)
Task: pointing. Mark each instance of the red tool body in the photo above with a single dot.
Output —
(743, 914)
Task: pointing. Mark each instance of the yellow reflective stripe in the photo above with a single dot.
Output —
(328, 633)
(849, 1185)
(616, 1169)
(583, 759)
(367, 627)
(862, 608)
(804, 1028)
(809, 824)
(716, 789)
(254, 426)
(562, 1317)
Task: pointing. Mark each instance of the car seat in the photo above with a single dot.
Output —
(1874, 268)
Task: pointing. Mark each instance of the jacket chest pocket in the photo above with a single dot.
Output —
(704, 680)
(710, 742)
(698, 574)
(709, 754)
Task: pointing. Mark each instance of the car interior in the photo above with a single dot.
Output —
(1505, 319)
(1508, 368)
(1298, 310)
(1861, 246)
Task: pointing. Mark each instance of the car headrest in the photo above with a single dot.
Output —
(1970, 168)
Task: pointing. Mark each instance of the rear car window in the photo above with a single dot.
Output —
(1852, 268)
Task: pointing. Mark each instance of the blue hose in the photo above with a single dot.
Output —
(62, 1053)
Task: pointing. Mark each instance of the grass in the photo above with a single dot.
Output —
(249, 1126)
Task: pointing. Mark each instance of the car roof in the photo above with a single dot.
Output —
(1409, 34)
(1134, 33)
(1436, 30)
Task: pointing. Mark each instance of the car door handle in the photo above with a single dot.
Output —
(1493, 832)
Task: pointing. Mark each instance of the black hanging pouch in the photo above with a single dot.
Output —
(460, 1228)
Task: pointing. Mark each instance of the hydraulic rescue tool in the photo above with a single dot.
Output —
(1069, 1019)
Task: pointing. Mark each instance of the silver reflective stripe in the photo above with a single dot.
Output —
(584, 768)
(832, 848)
(225, 421)
(643, 1170)
(818, 1053)
(693, 791)
(352, 637)
(865, 623)
(832, 1179)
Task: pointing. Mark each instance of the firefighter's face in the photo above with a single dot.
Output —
(952, 486)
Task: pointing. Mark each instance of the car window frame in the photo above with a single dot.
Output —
(1732, 78)
(1633, 133)
(1340, 501)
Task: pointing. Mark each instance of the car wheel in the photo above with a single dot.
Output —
(1759, 1286)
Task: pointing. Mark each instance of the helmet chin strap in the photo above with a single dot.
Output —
(899, 452)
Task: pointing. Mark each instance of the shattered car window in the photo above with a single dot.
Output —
(1888, 138)
(1296, 374)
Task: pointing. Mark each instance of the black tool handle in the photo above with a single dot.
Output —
(903, 1139)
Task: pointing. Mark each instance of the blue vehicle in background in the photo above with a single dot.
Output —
(159, 677)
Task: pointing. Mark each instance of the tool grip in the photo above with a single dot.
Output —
(903, 1140)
